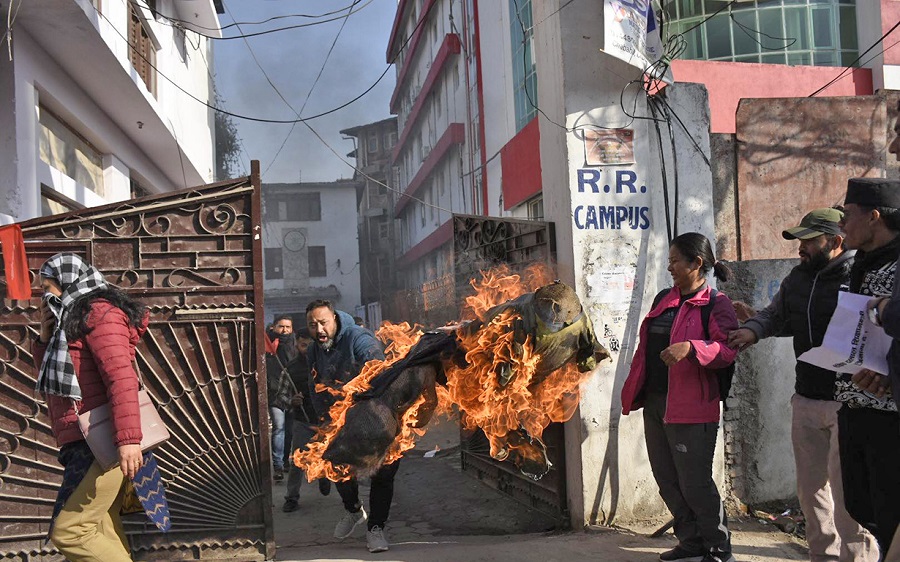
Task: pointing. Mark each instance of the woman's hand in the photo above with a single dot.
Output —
(48, 322)
(130, 460)
(675, 353)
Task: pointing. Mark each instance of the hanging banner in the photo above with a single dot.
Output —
(15, 263)
(631, 33)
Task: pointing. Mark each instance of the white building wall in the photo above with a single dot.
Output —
(869, 17)
(34, 78)
(336, 231)
(187, 119)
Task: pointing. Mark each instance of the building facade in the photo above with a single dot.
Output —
(375, 202)
(310, 247)
(89, 106)
(539, 97)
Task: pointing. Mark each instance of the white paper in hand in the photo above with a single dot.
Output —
(851, 341)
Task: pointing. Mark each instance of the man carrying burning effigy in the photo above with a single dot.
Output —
(512, 369)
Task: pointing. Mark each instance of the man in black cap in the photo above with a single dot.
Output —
(802, 308)
(869, 427)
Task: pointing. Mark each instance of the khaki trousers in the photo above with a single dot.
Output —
(893, 554)
(89, 528)
(832, 534)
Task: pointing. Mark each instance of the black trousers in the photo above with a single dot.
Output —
(681, 457)
(380, 495)
(869, 442)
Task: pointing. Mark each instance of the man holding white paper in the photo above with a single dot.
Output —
(868, 424)
(802, 308)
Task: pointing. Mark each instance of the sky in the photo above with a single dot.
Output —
(292, 59)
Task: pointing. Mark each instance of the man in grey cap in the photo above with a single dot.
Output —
(868, 424)
(802, 308)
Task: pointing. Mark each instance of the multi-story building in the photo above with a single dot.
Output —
(437, 151)
(310, 246)
(95, 102)
(375, 201)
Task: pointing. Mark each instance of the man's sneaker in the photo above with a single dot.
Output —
(278, 474)
(324, 486)
(681, 554)
(348, 523)
(718, 556)
(290, 505)
(375, 540)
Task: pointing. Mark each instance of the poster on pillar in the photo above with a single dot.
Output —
(631, 33)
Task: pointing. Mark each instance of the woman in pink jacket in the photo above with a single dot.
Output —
(673, 377)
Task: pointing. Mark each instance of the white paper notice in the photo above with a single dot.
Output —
(851, 341)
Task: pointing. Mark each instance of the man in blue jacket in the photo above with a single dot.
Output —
(340, 349)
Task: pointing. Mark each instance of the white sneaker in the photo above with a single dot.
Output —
(376, 540)
(348, 523)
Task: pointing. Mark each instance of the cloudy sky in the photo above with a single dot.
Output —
(292, 59)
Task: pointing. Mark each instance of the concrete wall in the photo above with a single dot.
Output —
(760, 460)
(796, 154)
(724, 170)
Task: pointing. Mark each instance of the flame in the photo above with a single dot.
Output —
(485, 403)
(499, 410)
(401, 337)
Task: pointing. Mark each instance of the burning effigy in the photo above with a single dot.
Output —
(512, 367)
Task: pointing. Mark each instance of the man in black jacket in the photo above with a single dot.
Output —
(869, 427)
(281, 351)
(802, 308)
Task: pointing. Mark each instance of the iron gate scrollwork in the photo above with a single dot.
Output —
(194, 258)
(480, 243)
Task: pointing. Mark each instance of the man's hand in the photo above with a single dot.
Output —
(297, 400)
(675, 353)
(130, 460)
(743, 311)
(871, 382)
(48, 322)
(741, 339)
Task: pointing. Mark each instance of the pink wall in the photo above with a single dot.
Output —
(890, 15)
(520, 161)
(729, 82)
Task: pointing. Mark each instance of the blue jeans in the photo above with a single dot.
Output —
(277, 416)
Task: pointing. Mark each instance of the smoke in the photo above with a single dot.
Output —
(292, 59)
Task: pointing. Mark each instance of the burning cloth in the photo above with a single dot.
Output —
(512, 370)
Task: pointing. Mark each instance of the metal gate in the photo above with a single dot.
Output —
(194, 258)
(480, 243)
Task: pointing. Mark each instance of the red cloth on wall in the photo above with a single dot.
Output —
(18, 283)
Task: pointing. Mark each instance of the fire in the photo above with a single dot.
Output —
(502, 411)
(401, 338)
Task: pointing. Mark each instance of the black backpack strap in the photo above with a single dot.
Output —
(659, 297)
(706, 311)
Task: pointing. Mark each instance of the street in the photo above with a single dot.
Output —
(442, 514)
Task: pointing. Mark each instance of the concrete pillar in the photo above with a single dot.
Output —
(28, 150)
(612, 242)
(116, 179)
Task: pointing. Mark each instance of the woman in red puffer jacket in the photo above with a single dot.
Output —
(85, 354)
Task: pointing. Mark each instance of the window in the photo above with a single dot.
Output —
(795, 32)
(524, 69)
(274, 264)
(372, 143)
(63, 149)
(54, 202)
(143, 52)
(138, 190)
(536, 209)
(317, 265)
(294, 207)
(384, 230)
